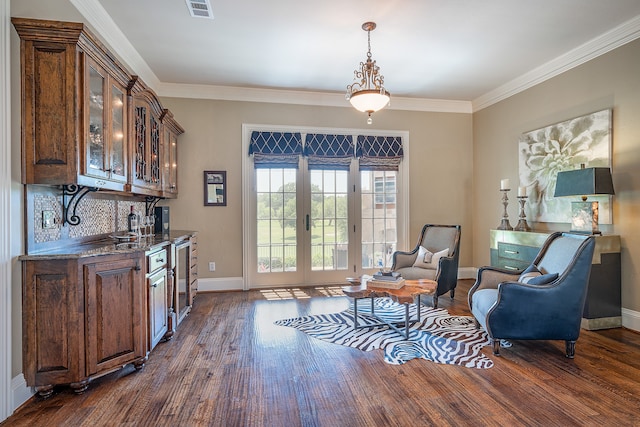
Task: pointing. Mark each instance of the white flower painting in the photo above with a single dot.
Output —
(560, 147)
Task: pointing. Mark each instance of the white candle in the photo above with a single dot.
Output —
(522, 191)
(504, 184)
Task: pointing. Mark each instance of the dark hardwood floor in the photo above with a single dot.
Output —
(229, 365)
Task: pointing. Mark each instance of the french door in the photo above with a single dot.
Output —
(303, 232)
(317, 225)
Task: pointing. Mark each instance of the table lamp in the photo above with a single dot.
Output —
(584, 182)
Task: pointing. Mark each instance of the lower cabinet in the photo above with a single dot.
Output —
(82, 318)
(157, 287)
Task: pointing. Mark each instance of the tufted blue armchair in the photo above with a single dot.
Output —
(544, 302)
(443, 243)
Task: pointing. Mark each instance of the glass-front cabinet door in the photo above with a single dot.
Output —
(105, 148)
(118, 166)
(96, 146)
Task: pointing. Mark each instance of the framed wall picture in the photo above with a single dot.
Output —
(215, 188)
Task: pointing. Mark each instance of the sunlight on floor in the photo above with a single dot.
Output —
(298, 293)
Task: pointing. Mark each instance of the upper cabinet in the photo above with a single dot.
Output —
(85, 120)
(170, 155)
(146, 174)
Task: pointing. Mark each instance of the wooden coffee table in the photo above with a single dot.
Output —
(408, 294)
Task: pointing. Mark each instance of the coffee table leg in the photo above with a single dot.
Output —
(373, 313)
(419, 307)
(406, 321)
(355, 314)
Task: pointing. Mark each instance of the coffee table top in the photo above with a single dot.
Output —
(404, 295)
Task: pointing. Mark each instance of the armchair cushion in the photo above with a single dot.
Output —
(529, 273)
(428, 259)
(543, 279)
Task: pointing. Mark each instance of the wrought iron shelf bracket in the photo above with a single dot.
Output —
(150, 203)
(71, 196)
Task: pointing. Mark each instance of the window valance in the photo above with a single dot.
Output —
(379, 152)
(327, 151)
(275, 149)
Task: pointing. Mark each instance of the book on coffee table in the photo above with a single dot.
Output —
(389, 284)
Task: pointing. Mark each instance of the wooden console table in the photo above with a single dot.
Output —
(515, 250)
(412, 290)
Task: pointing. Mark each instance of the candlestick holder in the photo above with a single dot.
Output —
(522, 223)
(504, 224)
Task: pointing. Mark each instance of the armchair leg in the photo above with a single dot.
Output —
(570, 348)
(496, 347)
(453, 292)
(435, 301)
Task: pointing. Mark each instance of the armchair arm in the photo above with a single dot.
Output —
(490, 277)
(534, 312)
(404, 259)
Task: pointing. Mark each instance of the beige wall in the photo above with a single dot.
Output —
(610, 81)
(212, 141)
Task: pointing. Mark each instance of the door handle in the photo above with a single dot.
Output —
(307, 222)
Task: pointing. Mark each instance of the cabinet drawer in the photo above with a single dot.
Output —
(522, 253)
(157, 260)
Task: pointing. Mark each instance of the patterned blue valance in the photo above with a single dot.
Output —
(379, 152)
(275, 149)
(326, 151)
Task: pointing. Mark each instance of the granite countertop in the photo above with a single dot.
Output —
(109, 246)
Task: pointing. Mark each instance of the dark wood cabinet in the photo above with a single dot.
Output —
(73, 107)
(157, 289)
(170, 155)
(82, 318)
(147, 165)
(85, 120)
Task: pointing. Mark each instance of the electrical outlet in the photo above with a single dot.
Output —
(48, 219)
(212, 266)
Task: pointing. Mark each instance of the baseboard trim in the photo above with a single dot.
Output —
(217, 284)
(467, 273)
(631, 319)
(20, 392)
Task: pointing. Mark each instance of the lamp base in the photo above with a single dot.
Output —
(584, 217)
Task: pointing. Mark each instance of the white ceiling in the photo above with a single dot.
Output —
(460, 50)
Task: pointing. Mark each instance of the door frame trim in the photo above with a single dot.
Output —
(248, 190)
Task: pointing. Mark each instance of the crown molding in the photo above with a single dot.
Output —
(107, 29)
(327, 99)
(612, 39)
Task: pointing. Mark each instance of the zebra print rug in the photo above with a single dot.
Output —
(438, 337)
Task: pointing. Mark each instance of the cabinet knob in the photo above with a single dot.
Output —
(137, 267)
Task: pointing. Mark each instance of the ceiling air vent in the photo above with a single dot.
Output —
(200, 8)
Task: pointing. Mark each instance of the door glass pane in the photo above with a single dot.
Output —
(117, 132)
(329, 219)
(379, 218)
(96, 120)
(276, 225)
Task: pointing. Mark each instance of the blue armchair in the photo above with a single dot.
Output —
(544, 302)
(441, 245)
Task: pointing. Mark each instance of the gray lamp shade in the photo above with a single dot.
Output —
(584, 182)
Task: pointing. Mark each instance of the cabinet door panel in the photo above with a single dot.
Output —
(118, 164)
(158, 311)
(114, 314)
(96, 141)
(52, 336)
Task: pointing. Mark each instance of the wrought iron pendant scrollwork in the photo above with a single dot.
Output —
(76, 193)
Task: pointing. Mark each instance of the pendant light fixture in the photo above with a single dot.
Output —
(367, 92)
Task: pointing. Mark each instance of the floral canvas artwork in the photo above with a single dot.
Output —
(560, 147)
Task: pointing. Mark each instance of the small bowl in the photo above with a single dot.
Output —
(128, 237)
(354, 281)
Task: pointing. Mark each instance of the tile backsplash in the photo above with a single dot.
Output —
(99, 214)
